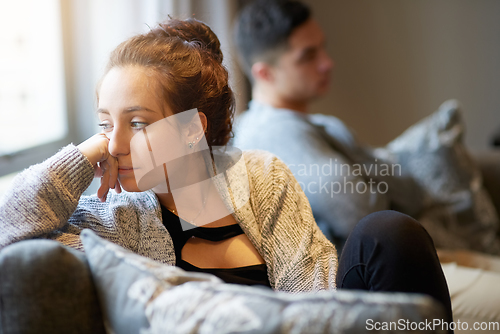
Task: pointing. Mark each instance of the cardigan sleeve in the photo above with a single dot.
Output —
(42, 198)
(298, 256)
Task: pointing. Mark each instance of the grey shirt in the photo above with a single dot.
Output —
(341, 178)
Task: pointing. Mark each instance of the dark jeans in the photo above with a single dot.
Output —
(390, 251)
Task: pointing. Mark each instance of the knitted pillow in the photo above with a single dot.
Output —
(139, 295)
(457, 211)
(128, 283)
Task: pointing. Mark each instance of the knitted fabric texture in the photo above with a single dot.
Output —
(45, 201)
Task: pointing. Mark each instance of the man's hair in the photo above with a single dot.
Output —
(263, 27)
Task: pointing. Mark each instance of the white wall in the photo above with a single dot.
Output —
(218, 14)
(396, 61)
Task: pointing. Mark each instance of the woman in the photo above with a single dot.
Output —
(266, 236)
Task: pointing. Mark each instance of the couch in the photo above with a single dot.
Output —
(46, 287)
(473, 277)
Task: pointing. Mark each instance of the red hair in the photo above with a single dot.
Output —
(185, 57)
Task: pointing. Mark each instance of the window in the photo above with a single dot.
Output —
(53, 53)
(32, 89)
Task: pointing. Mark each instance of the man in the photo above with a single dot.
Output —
(283, 52)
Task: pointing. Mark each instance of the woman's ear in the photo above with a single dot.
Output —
(203, 120)
(196, 130)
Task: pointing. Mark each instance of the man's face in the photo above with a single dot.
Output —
(303, 71)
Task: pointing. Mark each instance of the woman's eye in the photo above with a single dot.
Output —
(105, 126)
(138, 125)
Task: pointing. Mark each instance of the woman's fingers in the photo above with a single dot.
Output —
(113, 171)
(102, 192)
(95, 148)
(118, 187)
(109, 179)
(106, 166)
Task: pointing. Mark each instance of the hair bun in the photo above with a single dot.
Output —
(192, 30)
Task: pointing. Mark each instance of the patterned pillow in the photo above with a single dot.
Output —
(457, 211)
(139, 295)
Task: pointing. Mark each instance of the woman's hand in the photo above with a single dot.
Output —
(105, 165)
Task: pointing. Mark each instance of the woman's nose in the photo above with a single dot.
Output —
(119, 143)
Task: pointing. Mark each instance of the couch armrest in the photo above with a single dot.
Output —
(46, 287)
(489, 163)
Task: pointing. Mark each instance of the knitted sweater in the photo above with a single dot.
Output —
(45, 201)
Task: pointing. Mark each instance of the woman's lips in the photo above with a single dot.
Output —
(125, 170)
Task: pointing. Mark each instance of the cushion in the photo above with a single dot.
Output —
(457, 211)
(139, 295)
(46, 287)
(472, 295)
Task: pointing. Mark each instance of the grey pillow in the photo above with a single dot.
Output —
(457, 211)
(139, 295)
(126, 282)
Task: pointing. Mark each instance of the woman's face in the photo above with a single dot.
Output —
(127, 105)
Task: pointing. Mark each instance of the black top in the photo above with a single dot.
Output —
(248, 275)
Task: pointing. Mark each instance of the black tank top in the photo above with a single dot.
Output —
(248, 275)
